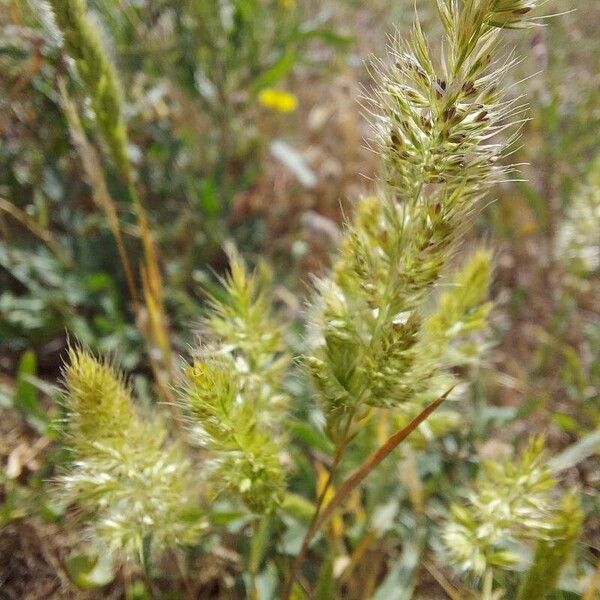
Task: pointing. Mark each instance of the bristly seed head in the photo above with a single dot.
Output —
(437, 163)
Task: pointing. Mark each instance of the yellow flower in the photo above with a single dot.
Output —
(288, 4)
(278, 100)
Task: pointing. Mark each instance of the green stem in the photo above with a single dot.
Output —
(257, 550)
(324, 512)
(315, 523)
(488, 585)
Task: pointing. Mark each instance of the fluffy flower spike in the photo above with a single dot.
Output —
(437, 121)
(136, 487)
(232, 391)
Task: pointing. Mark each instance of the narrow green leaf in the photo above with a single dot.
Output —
(312, 437)
(585, 447)
(25, 397)
(399, 583)
(326, 581)
(275, 73)
(258, 544)
(326, 35)
(88, 572)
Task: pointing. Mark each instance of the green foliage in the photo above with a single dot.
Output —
(257, 42)
(49, 298)
(263, 456)
(215, 59)
(26, 395)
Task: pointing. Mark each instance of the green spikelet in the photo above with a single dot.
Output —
(463, 308)
(98, 401)
(224, 420)
(452, 336)
(136, 487)
(45, 16)
(97, 72)
(511, 13)
(245, 323)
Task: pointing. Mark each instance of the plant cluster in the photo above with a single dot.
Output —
(272, 438)
(233, 391)
(200, 149)
(515, 502)
(374, 342)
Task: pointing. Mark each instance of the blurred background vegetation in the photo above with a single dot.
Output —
(244, 124)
